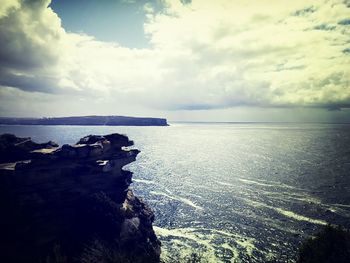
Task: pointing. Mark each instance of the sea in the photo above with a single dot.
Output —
(233, 192)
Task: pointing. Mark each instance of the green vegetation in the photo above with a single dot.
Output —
(331, 245)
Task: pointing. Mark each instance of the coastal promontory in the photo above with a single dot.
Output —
(87, 120)
(72, 203)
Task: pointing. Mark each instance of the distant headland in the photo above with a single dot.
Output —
(86, 120)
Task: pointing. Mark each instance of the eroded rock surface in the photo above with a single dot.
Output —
(72, 202)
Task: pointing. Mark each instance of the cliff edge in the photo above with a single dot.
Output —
(72, 203)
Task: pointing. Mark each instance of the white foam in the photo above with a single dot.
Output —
(225, 184)
(189, 233)
(268, 184)
(178, 198)
(204, 239)
(341, 205)
(299, 217)
(245, 242)
(144, 181)
(288, 213)
(233, 250)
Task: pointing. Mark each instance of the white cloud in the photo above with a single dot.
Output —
(205, 55)
(259, 54)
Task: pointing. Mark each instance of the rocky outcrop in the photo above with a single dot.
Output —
(13, 148)
(72, 203)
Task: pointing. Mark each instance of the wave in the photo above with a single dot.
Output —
(178, 198)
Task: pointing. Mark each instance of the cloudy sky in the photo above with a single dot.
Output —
(205, 60)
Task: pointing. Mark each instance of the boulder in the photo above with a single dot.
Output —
(119, 140)
(90, 139)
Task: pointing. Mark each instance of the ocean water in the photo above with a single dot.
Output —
(233, 192)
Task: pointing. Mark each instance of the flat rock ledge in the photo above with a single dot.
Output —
(72, 203)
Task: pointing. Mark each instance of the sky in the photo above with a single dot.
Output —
(199, 60)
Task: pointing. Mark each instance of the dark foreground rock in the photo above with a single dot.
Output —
(13, 148)
(72, 203)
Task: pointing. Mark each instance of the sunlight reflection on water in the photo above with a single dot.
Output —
(236, 191)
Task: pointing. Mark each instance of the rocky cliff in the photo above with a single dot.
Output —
(72, 203)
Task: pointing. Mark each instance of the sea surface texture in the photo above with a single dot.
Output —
(241, 192)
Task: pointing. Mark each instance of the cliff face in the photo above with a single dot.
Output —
(73, 203)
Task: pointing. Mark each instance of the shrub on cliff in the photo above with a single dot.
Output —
(331, 245)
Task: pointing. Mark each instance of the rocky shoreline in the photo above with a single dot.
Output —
(72, 203)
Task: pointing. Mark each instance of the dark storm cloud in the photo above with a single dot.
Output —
(344, 22)
(305, 11)
(27, 42)
(28, 83)
(325, 27)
